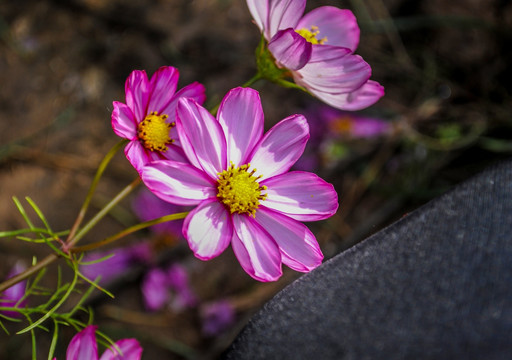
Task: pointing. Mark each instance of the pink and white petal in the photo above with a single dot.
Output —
(124, 123)
(284, 14)
(365, 96)
(136, 154)
(130, 350)
(162, 87)
(177, 183)
(280, 147)
(195, 91)
(241, 117)
(338, 26)
(336, 73)
(137, 93)
(290, 50)
(259, 12)
(201, 136)
(83, 345)
(208, 229)
(255, 249)
(303, 196)
(297, 244)
(174, 153)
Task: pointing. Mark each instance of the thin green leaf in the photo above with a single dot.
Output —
(39, 213)
(96, 285)
(23, 231)
(4, 328)
(23, 213)
(57, 306)
(55, 336)
(106, 257)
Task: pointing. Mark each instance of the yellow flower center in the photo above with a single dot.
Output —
(239, 190)
(153, 132)
(311, 35)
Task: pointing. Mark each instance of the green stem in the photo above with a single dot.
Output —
(128, 231)
(99, 173)
(103, 212)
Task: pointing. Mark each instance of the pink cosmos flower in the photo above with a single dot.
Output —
(148, 117)
(238, 179)
(83, 347)
(318, 50)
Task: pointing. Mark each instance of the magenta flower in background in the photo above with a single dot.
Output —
(148, 206)
(344, 124)
(239, 180)
(318, 49)
(122, 260)
(83, 346)
(169, 287)
(11, 297)
(216, 317)
(148, 117)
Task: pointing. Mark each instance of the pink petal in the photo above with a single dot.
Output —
(83, 345)
(137, 93)
(302, 196)
(162, 87)
(178, 183)
(241, 117)
(297, 244)
(338, 26)
(201, 137)
(123, 121)
(130, 350)
(365, 96)
(136, 154)
(208, 229)
(174, 153)
(290, 49)
(284, 14)
(331, 69)
(195, 91)
(255, 249)
(259, 12)
(281, 147)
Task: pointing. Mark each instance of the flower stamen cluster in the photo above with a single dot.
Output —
(239, 190)
(311, 35)
(153, 132)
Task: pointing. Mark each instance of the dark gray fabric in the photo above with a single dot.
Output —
(435, 285)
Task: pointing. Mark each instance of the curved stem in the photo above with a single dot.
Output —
(128, 231)
(99, 173)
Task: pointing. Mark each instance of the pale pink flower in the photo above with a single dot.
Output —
(238, 178)
(83, 347)
(148, 117)
(318, 49)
